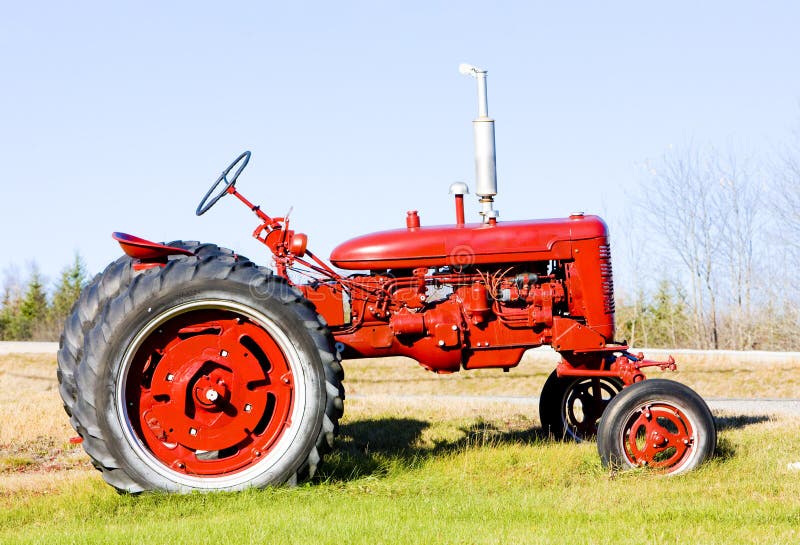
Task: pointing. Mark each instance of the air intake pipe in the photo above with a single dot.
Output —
(485, 161)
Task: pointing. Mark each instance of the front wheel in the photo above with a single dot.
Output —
(659, 424)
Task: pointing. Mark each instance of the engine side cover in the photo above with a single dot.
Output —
(471, 244)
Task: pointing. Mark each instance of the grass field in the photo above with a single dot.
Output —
(429, 471)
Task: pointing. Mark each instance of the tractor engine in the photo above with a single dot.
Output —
(479, 295)
(473, 295)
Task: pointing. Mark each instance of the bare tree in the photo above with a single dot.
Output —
(785, 205)
(739, 207)
(784, 228)
(679, 200)
(707, 208)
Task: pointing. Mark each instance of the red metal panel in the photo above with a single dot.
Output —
(327, 299)
(591, 292)
(471, 244)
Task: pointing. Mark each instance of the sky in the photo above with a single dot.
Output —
(118, 116)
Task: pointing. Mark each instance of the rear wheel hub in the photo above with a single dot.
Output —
(209, 392)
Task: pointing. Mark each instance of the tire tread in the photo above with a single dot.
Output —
(118, 289)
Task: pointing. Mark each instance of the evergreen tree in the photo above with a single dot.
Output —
(667, 316)
(8, 308)
(72, 280)
(630, 319)
(33, 310)
(25, 313)
(657, 320)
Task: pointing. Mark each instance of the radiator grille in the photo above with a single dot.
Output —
(607, 278)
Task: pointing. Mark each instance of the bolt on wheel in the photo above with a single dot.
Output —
(658, 435)
(208, 391)
(660, 424)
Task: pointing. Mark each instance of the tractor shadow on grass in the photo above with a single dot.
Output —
(376, 447)
(725, 448)
(737, 421)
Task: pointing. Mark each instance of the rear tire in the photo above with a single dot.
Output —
(659, 424)
(93, 298)
(207, 373)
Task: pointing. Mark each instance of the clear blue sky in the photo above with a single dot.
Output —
(118, 115)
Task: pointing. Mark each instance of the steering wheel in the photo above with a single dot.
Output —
(209, 201)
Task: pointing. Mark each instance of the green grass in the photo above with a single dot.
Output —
(421, 471)
(406, 474)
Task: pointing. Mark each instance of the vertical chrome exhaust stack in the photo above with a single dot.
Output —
(485, 160)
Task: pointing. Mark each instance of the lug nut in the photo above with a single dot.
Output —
(170, 377)
(441, 343)
(212, 395)
(248, 408)
(224, 353)
(192, 431)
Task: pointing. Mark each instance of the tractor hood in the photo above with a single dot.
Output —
(470, 244)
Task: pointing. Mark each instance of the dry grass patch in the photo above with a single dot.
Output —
(34, 429)
(41, 483)
(404, 376)
(30, 407)
(713, 375)
(739, 375)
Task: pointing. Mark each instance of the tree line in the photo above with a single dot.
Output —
(714, 248)
(29, 311)
(711, 249)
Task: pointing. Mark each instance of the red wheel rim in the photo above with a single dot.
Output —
(658, 435)
(209, 392)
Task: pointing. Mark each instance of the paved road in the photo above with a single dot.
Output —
(727, 405)
(26, 347)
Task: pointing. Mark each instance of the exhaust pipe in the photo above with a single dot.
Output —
(485, 160)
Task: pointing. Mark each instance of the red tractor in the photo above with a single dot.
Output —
(186, 366)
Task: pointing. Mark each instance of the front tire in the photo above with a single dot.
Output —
(659, 424)
(206, 374)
